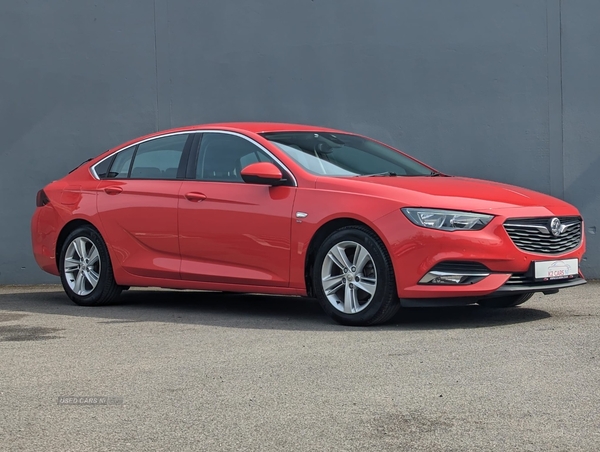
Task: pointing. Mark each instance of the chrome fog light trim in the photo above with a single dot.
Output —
(437, 277)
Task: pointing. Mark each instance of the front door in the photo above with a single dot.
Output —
(231, 231)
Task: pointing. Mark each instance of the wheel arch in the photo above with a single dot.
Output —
(321, 234)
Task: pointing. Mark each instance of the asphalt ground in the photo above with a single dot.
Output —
(187, 371)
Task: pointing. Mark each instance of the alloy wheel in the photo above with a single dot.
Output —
(82, 266)
(349, 277)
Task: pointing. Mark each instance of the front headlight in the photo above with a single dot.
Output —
(447, 220)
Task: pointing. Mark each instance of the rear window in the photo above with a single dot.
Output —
(121, 163)
(154, 159)
(159, 158)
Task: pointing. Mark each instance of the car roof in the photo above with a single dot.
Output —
(263, 127)
(258, 127)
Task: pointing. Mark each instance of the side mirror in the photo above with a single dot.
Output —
(264, 173)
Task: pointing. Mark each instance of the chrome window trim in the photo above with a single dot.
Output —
(227, 132)
(93, 168)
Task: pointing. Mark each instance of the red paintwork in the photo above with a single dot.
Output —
(140, 225)
(246, 238)
(239, 234)
(265, 170)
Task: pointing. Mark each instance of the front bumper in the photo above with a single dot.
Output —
(546, 287)
(415, 251)
(502, 291)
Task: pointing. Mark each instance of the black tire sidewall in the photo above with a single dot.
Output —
(106, 278)
(385, 280)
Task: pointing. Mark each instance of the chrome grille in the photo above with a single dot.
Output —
(519, 279)
(533, 234)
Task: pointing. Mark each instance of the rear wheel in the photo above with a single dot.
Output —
(353, 278)
(508, 301)
(85, 269)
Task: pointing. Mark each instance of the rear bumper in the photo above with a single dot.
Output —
(44, 232)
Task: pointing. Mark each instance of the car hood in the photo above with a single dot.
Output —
(452, 193)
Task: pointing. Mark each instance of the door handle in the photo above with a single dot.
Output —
(113, 190)
(195, 196)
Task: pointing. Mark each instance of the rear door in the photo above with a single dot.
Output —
(137, 204)
(231, 231)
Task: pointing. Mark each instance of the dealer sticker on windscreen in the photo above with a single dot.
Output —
(560, 269)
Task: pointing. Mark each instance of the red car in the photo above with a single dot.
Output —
(300, 210)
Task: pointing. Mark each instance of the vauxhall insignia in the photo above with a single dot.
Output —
(362, 239)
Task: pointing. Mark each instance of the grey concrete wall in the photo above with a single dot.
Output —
(581, 118)
(501, 90)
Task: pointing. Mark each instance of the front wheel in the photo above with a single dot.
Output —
(508, 301)
(353, 278)
(85, 269)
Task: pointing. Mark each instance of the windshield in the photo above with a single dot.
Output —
(340, 154)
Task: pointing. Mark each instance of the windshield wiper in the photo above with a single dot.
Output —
(392, 174)
(385, 173)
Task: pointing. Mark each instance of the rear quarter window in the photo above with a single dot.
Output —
(101, 168)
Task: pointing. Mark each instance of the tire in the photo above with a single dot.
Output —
(342, 295)
(78, 274)
(508, 301)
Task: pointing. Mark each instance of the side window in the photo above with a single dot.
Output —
(223, 156)
(159, 158)
(121, 163)
(101, 168)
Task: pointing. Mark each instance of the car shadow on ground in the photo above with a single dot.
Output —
(253, 311)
